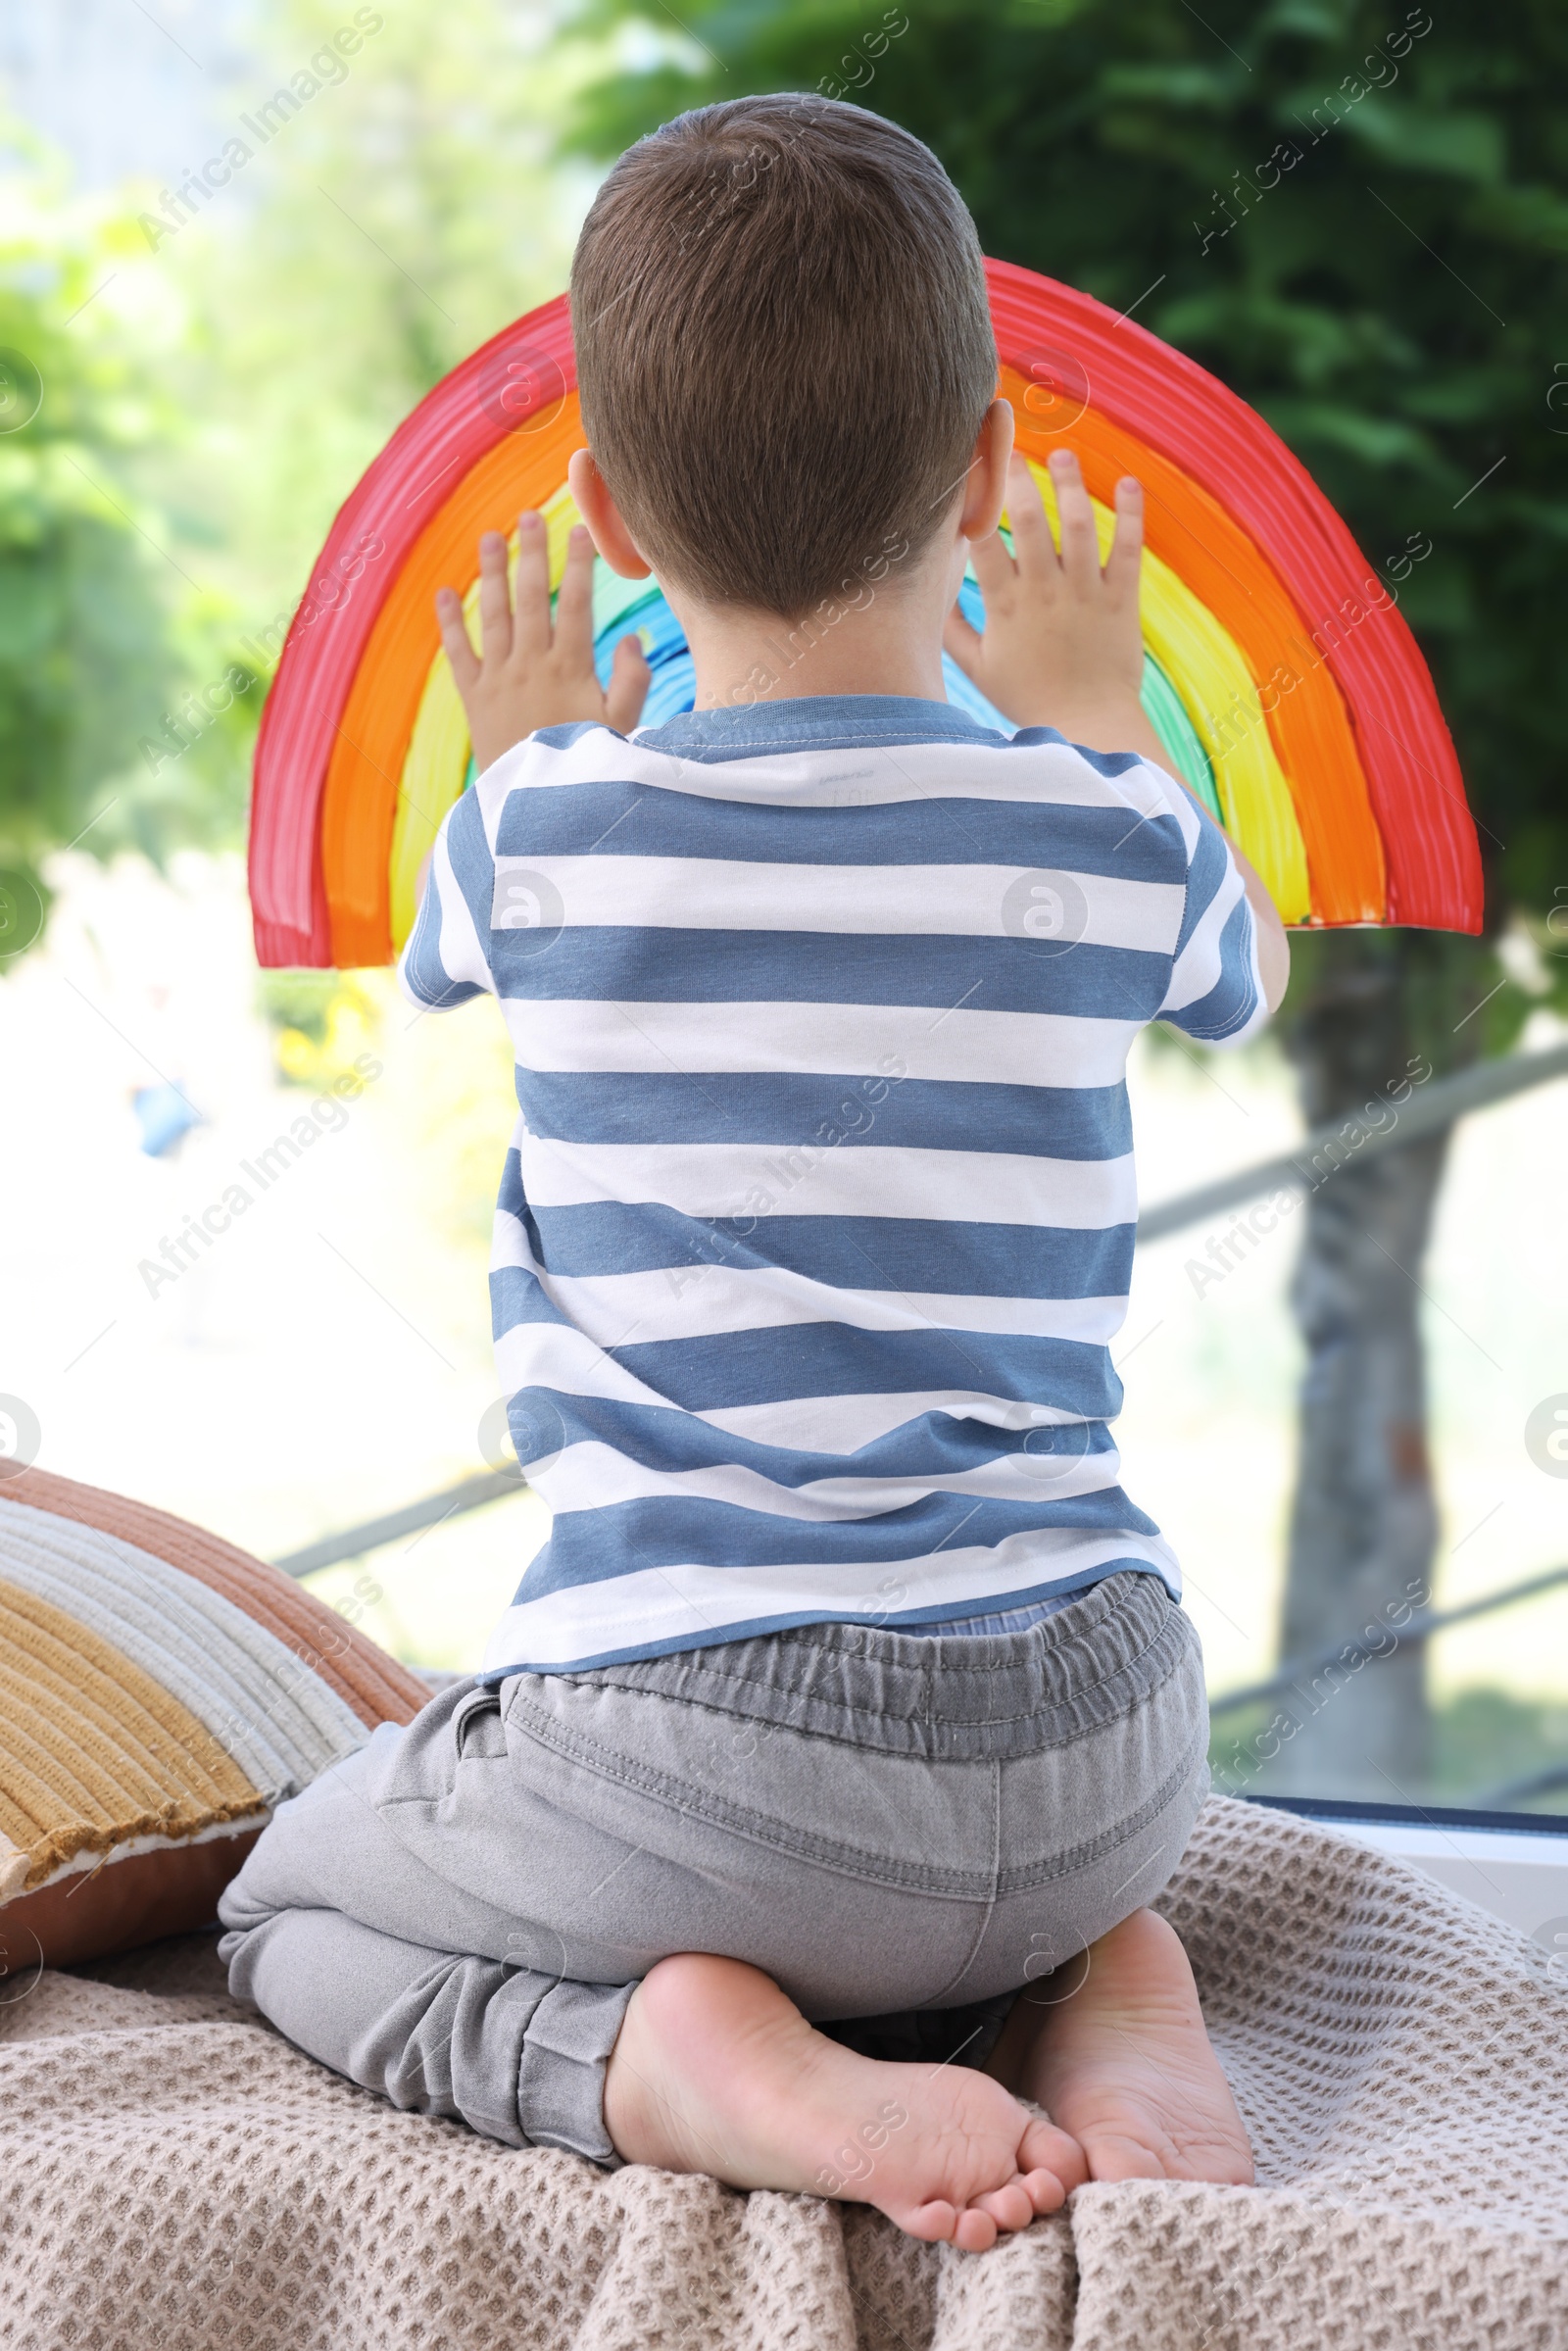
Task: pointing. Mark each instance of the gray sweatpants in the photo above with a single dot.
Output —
(901, 1829)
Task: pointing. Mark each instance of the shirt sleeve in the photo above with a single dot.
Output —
(1215, 992)
(445, 959)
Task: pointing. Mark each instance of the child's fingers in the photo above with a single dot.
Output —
(574, 601)
(629, 680)
(1032, 546)
(1080, 544)
(531, 627)
(455, 638)
(1125, 560)
(494, 612)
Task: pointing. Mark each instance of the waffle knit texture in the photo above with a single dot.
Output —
(175, 2176)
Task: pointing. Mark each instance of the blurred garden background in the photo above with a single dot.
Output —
(192, 377)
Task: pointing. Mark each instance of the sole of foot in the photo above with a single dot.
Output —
(1123, 2062)
(716, 2071)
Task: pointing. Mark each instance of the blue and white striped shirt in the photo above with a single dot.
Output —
(818, 1221)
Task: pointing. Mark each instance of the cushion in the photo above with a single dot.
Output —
(160, 1692)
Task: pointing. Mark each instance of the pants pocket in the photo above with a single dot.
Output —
(478, 1730)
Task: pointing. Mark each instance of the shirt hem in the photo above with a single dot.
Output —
(905, 1621)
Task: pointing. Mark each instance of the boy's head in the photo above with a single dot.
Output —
(784, 347)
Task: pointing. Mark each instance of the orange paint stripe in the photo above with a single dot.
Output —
(360, 802)
(1311, 727)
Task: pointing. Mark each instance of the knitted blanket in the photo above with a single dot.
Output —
(174, 2177)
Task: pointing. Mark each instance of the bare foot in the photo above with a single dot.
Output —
(1124, 2064)
(715, 2070)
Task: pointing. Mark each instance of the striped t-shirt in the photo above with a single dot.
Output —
(817, 1219)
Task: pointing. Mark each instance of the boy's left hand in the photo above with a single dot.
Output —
(1063, 644)
(532, 672)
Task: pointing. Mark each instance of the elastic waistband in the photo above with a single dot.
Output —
(958, 1696)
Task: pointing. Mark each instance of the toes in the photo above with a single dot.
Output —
(933, 2223)
(1046, 2192)
(1045, 2148)
(975, 2231)
(942, 2223)
(1010, 2207)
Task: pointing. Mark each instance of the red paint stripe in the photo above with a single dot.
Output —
(1166, 399)
(1413, 780)
(467, 414)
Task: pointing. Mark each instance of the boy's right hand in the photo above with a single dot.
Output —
(532, 672)
(1063, 644)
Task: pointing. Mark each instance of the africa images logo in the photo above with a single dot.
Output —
(1546, 1435)
(1046, 911)
(20, 1436)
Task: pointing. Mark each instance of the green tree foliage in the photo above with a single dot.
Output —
(220, 361)
(1353, 213)
(403, 214)
(86, 656)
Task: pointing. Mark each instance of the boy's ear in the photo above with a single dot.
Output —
(985, 490)
(600, 511)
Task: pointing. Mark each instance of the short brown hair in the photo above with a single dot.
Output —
(784, 347)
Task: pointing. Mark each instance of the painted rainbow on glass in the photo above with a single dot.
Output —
(1278, 672)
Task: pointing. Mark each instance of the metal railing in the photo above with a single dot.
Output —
(1344, 1141)
(469, 1493)
(1437, 1105)
(1517, 1791)
(1352, 1654)
(1312, 1161)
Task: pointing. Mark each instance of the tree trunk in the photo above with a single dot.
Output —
(1363, 1526)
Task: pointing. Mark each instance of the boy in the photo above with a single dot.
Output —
(850, 1687)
